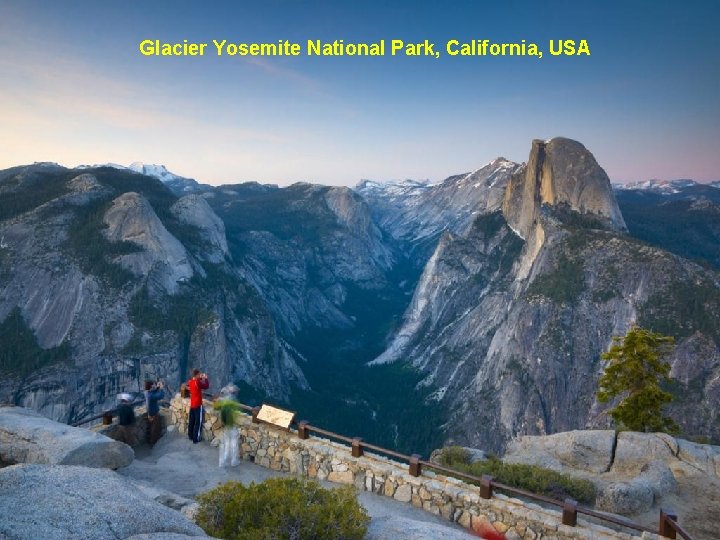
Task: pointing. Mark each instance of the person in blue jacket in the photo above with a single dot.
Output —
(153, 394)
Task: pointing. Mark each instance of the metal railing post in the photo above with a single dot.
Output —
(303, 431)
(666, 529)
(486, 489)
(415, 465)
(107, 418)
(357, 449)
(255, 411)
(569, 514)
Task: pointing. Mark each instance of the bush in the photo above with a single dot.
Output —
(529, 477)
(282, 508)
(454, 454)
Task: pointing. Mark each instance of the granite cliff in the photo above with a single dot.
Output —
(109, 277)
(509, 319)
(124, 281)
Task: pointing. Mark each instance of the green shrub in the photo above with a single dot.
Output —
(454, 454)
(528, 477)
(282, 508)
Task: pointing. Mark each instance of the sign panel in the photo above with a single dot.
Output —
(275, 416)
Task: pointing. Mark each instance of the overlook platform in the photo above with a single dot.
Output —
(178, 466)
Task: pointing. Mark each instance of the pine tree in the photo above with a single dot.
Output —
(635, 369)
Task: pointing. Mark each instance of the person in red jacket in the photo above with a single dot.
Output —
(196, 385)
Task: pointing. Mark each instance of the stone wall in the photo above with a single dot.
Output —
(282, 450)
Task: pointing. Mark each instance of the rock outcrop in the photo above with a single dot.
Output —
(633, 472)
(195, 211)
(601, 451)
(74, 503)
(162, 257)
(583, 450)
(560, 173)
(27, 437)
(562, 180)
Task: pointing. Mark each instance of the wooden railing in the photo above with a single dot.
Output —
(668, 527)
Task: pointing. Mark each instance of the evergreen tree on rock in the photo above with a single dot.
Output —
(635, 369)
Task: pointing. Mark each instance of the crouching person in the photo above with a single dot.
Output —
(126, 421)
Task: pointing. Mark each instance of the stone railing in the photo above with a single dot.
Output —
(283, 450)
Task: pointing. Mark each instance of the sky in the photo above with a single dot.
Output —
(75, 88)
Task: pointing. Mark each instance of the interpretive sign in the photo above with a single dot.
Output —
(275, 416)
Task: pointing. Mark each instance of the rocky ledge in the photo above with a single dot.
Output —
(27, 437)
(56, 482)
(635, 473)
(74, 502)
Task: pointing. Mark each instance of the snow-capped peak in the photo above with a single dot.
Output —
(393, 187)
(179, 184)
(663, 187)
(156, 171)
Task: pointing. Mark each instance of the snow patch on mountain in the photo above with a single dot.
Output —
(416, 212)
(662, 187)
(180, 185)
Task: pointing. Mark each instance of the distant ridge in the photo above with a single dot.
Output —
(179, 184)
(664, 187)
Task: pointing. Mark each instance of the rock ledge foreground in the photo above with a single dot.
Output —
(28, 437)
(73, 502)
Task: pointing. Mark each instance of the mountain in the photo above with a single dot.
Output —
(336, 285)
(476, 307)
(304, 246)
(178, 184)
(509, 319)
(665, 187)
(109, 278)
(415, 214)
(682, 216)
